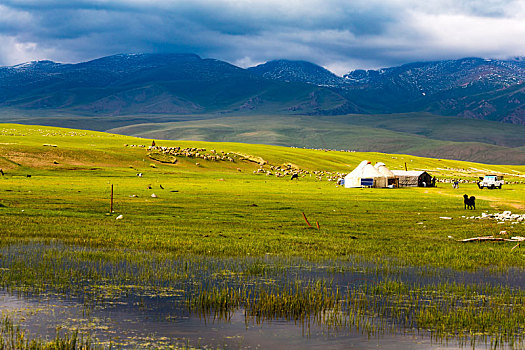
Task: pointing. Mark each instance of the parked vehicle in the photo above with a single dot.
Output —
(491, 181)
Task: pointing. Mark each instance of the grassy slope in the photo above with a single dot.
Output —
(86, 120)
(417, 134)
(213, 210)
(421, 134)
(442, 127)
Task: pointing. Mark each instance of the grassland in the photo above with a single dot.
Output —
(218, 209)
(223, 210)
(419, 134)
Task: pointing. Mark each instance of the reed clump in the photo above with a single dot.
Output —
(298, 301)
(12, 337)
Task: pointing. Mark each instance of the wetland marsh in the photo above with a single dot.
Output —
(221, 257)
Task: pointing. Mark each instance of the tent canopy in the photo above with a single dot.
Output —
(392, 180)
(381, 167)
(365, 175)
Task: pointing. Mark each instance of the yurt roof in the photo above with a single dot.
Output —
(381, 167)
(358, 169)
(370, 171)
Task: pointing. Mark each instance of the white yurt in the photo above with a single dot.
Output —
(365, 175)
(392, 180)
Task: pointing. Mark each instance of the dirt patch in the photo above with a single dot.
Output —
(44, 160)
(6, 164)
(515, 204)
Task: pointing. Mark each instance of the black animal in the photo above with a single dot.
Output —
(470, 203)
(295, 176)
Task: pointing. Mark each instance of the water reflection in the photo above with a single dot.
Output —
(128, 326)
(140, 300)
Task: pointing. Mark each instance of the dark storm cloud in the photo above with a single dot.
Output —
(339, 34)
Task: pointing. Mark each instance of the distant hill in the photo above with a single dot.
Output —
(416, 134)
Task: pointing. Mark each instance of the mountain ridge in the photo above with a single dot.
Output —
(298, 71)
(473, 88)
(124, 83)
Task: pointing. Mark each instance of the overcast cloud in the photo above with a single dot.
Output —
(340, 35)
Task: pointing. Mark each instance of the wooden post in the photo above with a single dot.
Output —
(406, 166)
(305, 219)
(111, 203)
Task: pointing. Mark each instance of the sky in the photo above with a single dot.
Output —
(340, 35)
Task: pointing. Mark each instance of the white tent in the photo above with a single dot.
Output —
(365, 175)
(391, 178)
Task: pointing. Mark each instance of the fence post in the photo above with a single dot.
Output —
(111, 203)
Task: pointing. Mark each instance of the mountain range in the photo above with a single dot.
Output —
(155, 83)
(126, 84)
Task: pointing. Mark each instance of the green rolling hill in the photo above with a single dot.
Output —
(417, 134)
